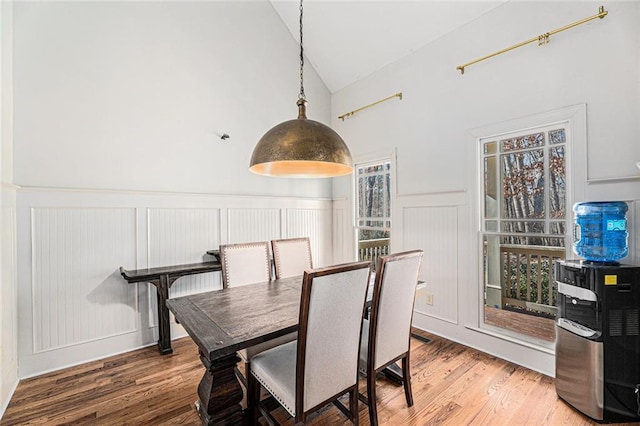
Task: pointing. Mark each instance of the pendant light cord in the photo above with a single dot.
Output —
(301, 95)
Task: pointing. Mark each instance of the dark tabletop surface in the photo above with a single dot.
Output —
(224, 321)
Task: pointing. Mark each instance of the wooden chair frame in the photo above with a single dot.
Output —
(225, 276)
(257, 407)
(371, 371)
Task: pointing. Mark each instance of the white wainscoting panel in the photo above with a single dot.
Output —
(8, 296)
(247, 225)
(344, 241)
(312, 223)
(73, 305)
(78, 294)
(179, 236)
(434, 229)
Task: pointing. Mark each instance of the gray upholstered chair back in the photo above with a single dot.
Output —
(291, 256)
(399, 275)
(245, 263)
(330, 335)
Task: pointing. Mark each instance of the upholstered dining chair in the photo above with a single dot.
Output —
(291, 256)
(243, 264)
(386, 334)
(322, 364)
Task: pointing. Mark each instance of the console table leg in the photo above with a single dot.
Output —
(164, 330)
(220, 393)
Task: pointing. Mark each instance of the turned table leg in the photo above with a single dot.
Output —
(219, 392)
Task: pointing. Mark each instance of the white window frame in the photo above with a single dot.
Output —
(500, 199)
(576, 175)
(370, 159)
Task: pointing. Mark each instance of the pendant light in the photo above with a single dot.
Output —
(301, 147)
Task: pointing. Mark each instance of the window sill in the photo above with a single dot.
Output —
(531, 343)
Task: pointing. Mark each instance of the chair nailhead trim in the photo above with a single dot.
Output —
(226, 261)
(268, 388)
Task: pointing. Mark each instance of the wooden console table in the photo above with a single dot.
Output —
(163, 277)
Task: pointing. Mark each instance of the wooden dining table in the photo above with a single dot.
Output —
(225, 321)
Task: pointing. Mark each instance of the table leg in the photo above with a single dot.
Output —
(164, 330)
(393, 372)
(219, 392)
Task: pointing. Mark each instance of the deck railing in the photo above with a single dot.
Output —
(527, 277)
(373, 249)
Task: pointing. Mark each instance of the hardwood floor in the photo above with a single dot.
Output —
(452, 385)
(531, 325)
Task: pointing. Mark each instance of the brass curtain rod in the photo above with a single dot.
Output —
(541, 39)
(349, 114)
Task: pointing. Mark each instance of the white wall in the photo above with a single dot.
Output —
(8, 298)
(135, 95)
(432, 128)
(118, 111)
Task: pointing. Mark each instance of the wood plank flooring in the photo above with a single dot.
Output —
(531, 325)
(452, 385)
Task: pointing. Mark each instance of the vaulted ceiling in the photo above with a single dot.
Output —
(348, 40)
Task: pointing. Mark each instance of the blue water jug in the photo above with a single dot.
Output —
(600, 230)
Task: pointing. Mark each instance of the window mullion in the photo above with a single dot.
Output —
(547, 188)
(499, 191)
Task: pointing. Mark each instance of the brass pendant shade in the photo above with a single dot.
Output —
(301, 148)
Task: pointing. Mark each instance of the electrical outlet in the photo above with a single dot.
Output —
(428, 298)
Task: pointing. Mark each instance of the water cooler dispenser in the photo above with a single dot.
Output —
(598, 324)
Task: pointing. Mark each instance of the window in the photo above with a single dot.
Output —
(524, 216)
(373, 209)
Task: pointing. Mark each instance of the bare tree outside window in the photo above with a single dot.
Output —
(524, 216)
(373, 209)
